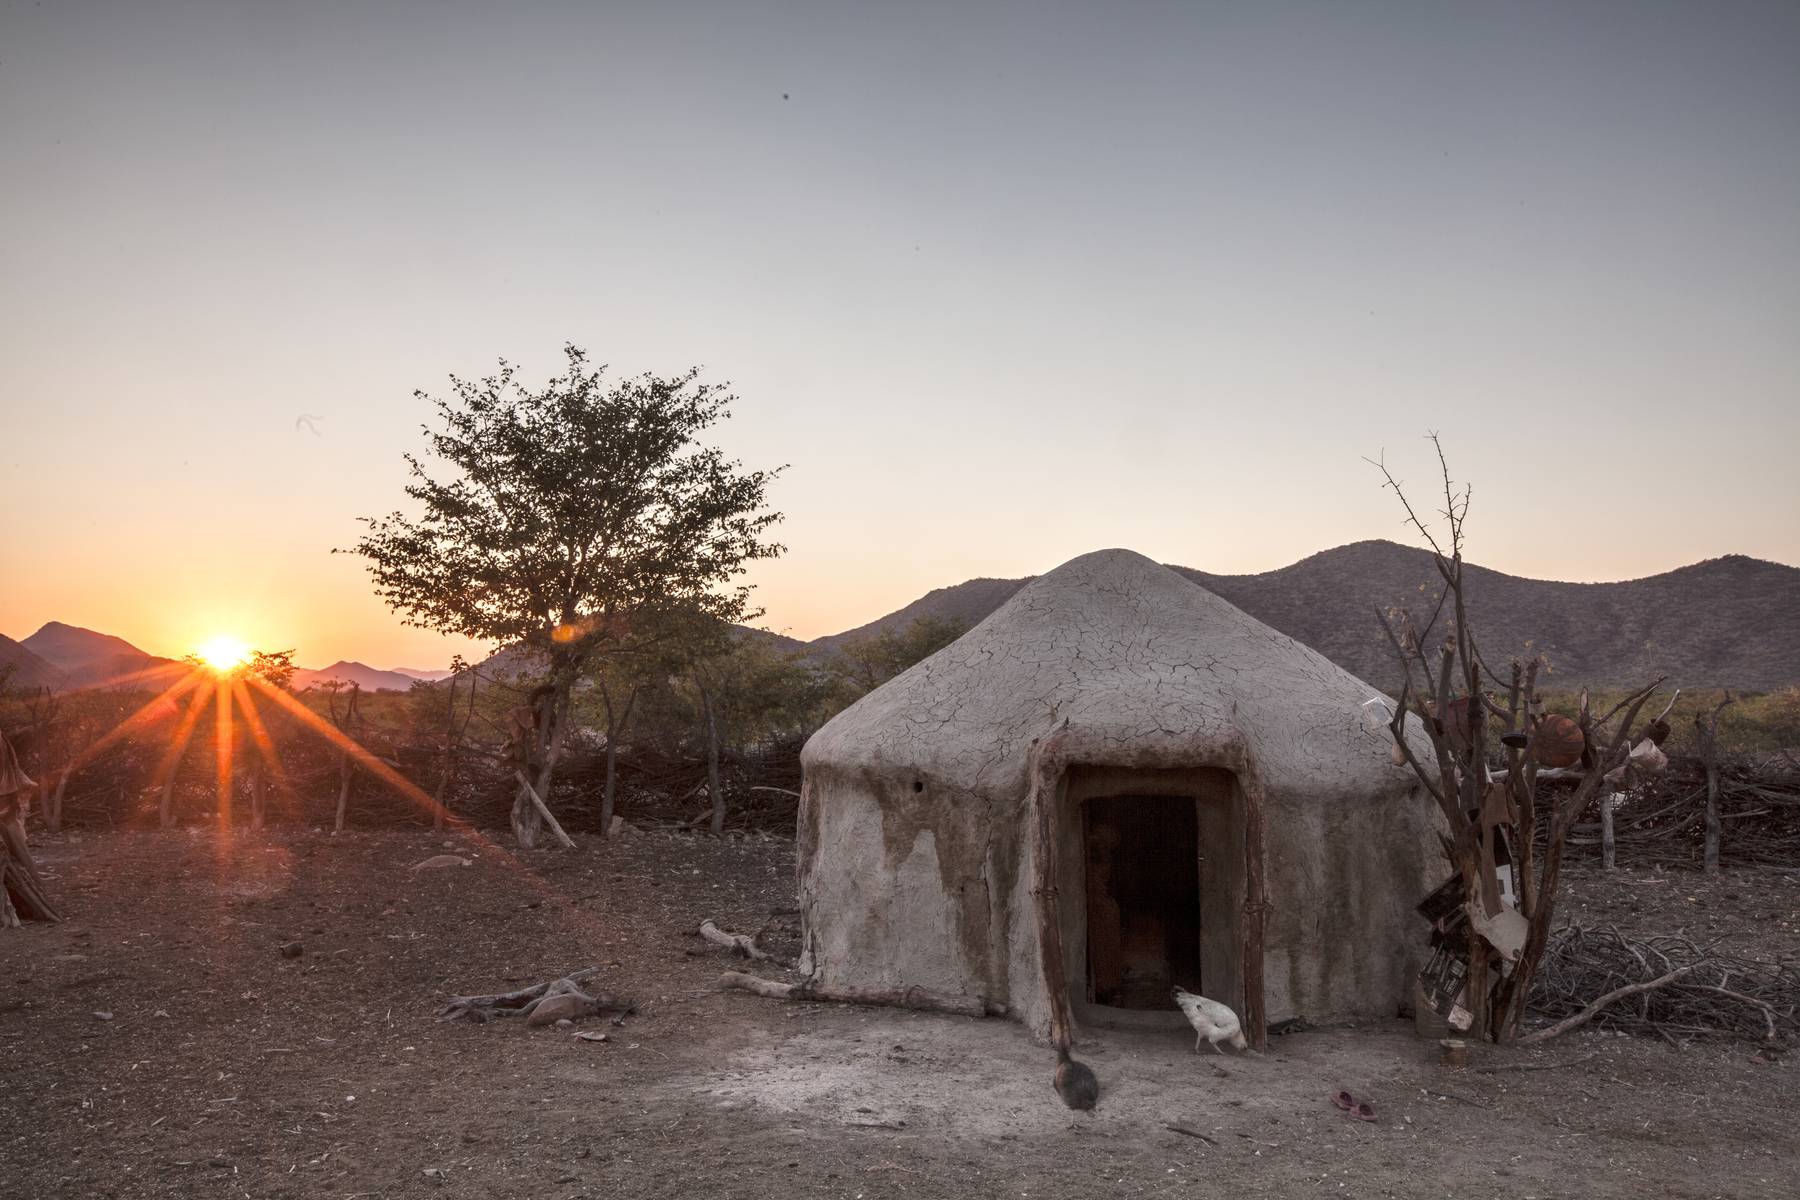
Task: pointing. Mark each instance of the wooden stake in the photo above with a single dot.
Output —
(544, 811)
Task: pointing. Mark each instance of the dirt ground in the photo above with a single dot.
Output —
(158, 1044)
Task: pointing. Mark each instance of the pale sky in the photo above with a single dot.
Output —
(1003, 283)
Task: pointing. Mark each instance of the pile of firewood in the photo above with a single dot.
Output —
(1664, 821)
(1667, 987)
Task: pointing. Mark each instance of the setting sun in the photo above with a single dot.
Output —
(223, 653)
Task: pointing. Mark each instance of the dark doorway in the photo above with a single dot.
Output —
(1143, 899)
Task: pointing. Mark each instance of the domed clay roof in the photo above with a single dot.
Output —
(1132, 656)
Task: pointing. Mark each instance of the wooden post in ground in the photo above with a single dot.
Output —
(1608, 848)
(1707, 726)
(350, 726)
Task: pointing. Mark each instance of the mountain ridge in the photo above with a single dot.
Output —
(1730, 621)
(370, 679)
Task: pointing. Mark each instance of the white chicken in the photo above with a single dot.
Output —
(1213, 1022)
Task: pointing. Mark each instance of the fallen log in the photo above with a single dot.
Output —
(1592, 1010)
(539, 1004)
(740, 944)
(917, 998)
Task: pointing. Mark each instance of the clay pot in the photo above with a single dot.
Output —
(1558, 742)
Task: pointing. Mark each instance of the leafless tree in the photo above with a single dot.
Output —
(1444, 727)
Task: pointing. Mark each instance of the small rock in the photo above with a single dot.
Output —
(552, 1009)
(292, 949)
(218, 1160)
(564, 1023)
(161, 1012)
(440, 860)
(589, 1035)
(434, 1172)
(104, 1016)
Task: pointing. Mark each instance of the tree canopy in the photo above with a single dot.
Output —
(568, 509)
(574, 520)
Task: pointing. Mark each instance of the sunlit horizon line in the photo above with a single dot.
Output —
(813, 627)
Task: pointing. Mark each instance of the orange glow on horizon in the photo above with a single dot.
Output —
(224, 653)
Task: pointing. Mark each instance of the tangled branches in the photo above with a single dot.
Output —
(1663, 821)
(1717, 995)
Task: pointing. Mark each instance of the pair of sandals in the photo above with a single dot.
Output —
(1360, 1110)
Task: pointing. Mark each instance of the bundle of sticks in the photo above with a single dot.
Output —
(1759, 809)
(1697, 991)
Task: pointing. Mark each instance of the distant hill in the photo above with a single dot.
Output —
(361, 674)
(84, 658)
(1732, 621)
(967, 603)
(413, 673)
(23, 669)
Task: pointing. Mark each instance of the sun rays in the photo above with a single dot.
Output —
(239, 693)
(224, 653)
(222, 679)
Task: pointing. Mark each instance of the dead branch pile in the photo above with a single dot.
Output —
(540, 1004)
(1719, 995)
(1665, 821)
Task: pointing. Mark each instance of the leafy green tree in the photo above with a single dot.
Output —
(861, 664)
(564, 516)
(743, 688)
(642, 664)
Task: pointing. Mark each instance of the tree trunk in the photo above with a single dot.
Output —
(50, 802)
(615, 729)
(544, 813)
(1707, 726)
(1608, 847)
(551, 721)
(609, 789)
(1711, 862)
(21, 890)
(343, 800)
(450, 739)
(714, 792)
(525, 819)
(438, 807)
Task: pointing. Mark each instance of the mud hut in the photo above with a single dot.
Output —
(1121, 771)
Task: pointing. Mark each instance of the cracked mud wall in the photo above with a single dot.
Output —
(904, 884)
(913, 831)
